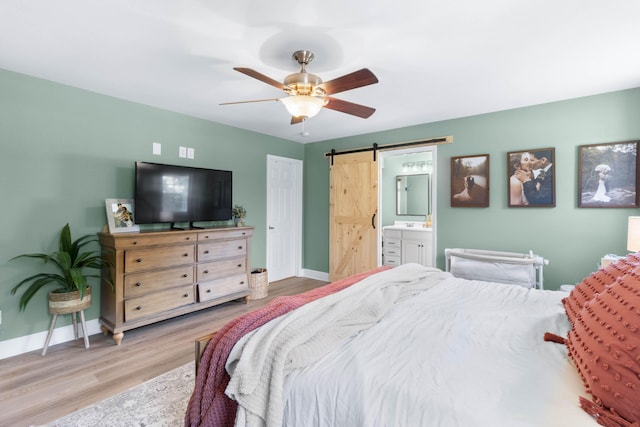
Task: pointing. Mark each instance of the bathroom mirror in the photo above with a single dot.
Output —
(413, 194)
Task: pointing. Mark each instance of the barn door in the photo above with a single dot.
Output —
(353, 212)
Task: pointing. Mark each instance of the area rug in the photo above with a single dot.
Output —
(161, 401)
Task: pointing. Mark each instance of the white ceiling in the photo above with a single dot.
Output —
(435, 60)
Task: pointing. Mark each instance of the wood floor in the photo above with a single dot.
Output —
(36, 390)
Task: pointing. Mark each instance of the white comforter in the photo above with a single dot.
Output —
(423, 349)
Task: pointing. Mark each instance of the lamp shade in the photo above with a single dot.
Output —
(303, 105)
(633, 234)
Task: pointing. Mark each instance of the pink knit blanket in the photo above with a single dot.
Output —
(208, 405)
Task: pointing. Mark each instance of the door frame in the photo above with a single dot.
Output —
(296, 209)
(434, 193)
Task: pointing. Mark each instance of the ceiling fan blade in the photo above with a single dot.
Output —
(247, 102)
(349, 107)
(256, 75)
(363, 77)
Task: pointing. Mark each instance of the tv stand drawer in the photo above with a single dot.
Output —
(221, 249)
(149, 305)
(149, 259)
(143, 283)
(221, 287)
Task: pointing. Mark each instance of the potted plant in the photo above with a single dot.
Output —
(238, 213)
(71, 291)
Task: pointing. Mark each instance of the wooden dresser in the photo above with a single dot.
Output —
(158, 275)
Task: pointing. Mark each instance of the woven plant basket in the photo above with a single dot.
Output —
(258, 283)
(68, 302)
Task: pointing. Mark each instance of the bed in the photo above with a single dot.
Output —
(414, 346)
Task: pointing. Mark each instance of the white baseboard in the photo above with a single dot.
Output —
(20, 345)
(317, 275)
(27, 343)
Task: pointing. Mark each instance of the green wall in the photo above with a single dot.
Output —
(65, 150)
(573, 239)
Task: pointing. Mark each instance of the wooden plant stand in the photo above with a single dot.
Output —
(68, 303)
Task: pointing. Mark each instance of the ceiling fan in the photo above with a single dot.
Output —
(307, 94)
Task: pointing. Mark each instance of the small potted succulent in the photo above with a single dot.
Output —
(238, 213)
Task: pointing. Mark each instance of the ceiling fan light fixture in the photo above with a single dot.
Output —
(303, 105)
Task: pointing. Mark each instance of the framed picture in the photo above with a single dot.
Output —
(608, 175)
(531, 178)
(470, 181)
(120, 216)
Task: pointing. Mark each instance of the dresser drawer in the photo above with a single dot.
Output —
(221, 287)
(392, 234)
(416, 235)
(141, 240)
(222, 249)
(205, 236)
(388, 242)
(393, 251)
(217, 269)
(391, 260)
(147, 259)
(157, 302)
(141, 283)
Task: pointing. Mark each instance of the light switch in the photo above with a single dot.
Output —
(191, 153)
(157, 148)
(182, 152)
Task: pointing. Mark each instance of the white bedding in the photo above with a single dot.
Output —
(457, 353)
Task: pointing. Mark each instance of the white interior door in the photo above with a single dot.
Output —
(284, 217)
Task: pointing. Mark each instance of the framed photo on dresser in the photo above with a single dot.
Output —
(120, 216)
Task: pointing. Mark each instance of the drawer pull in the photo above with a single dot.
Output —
(135, 242)
(239, 265)
(239, 247)
(185, 275)
(187, 238)
(138, 284)
(208, 291)
(185, 295)
(242, 282)
(185, 254)
(206, 272)
(206, 252)
(139, 260)
(139, 308)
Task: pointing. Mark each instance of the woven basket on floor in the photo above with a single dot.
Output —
(258, 283)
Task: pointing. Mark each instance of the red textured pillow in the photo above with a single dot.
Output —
(585, 291)
(605, 347)
(595, 283)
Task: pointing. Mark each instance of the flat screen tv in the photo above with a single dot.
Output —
(172, 194)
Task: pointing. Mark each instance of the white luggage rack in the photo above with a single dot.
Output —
(494, 266)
